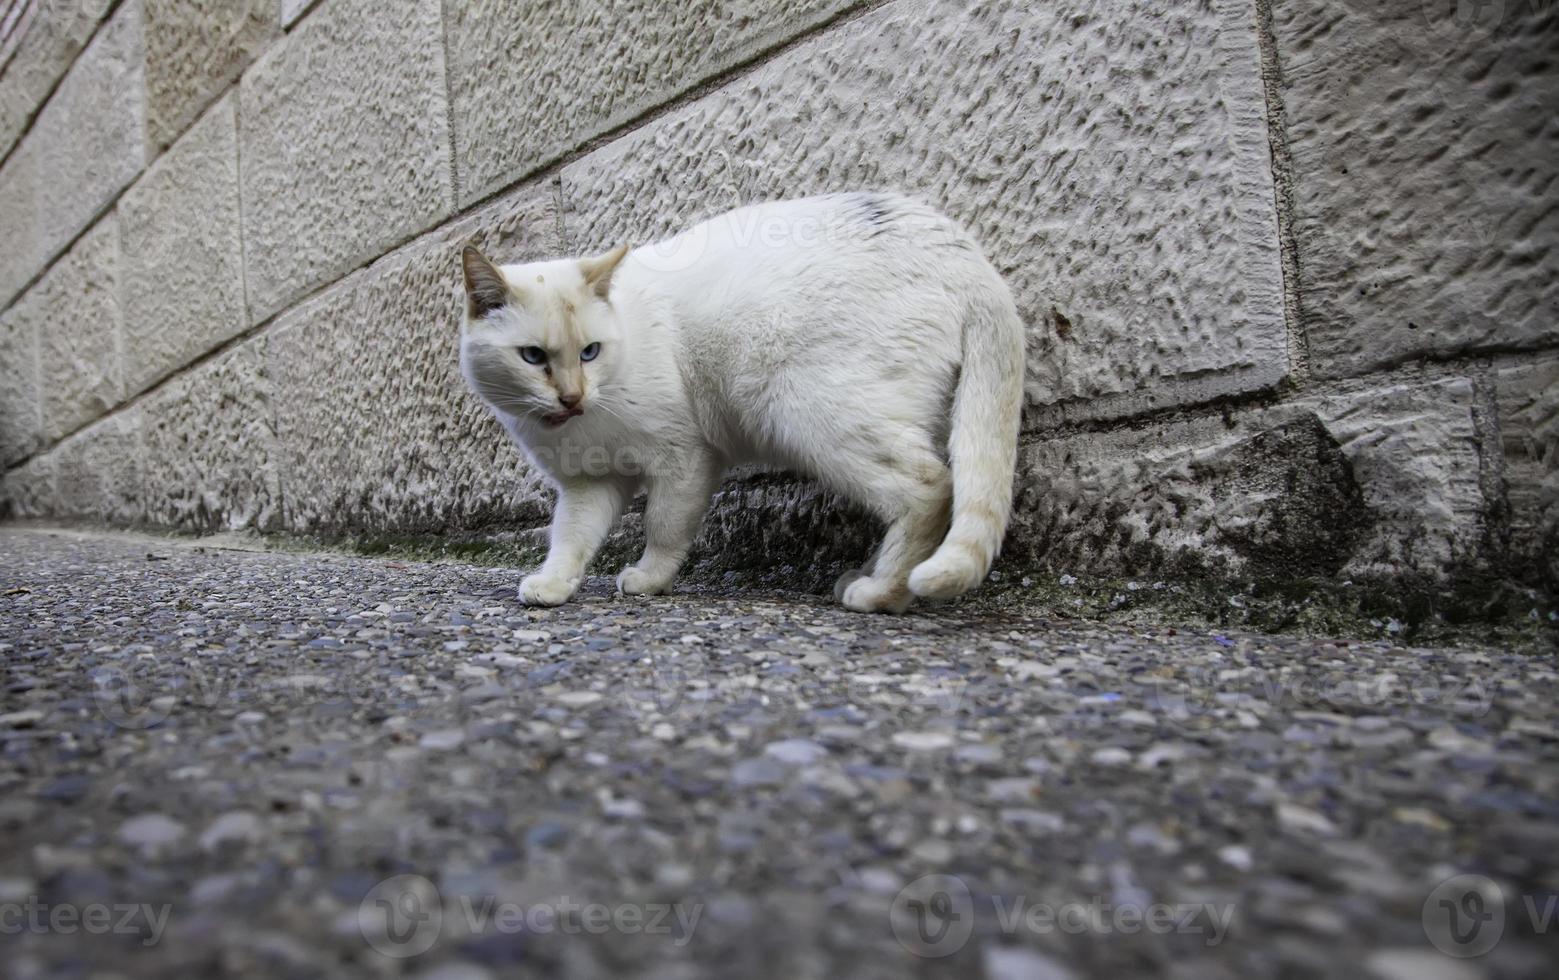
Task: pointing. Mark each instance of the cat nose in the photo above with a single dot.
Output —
(569, 400)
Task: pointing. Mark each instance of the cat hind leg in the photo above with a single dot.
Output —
(914, 493)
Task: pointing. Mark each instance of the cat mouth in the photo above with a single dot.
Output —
(558, 418)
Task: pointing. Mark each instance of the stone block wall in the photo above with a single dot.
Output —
(1289, 266)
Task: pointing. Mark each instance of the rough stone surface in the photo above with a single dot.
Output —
(28, 490)
(74, 312)
(778, 528)
(195, 49)
(20, 259)
(376, 430)
(1528, 398)
(512, 113)
(97, 472)
(210, 446)
(1370, 482)
(21, 427)
(1202, 496)
(260, 741)
(291, 10)
(85, 146)
(1111, 157)
(1414, 447)
(1424, 151)
(345, 145)
(182, 263)
(55, 35)
(1115, 157)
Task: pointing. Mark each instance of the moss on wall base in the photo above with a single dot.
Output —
(1471, 609)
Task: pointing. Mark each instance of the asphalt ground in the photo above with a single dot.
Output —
(225, 762)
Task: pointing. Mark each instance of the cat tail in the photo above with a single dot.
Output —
(982, 448)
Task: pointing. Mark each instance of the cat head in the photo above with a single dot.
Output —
(540, 339)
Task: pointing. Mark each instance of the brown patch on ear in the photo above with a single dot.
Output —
(598, 270)
(486, 288)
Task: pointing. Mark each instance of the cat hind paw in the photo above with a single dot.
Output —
(871, 595)
(945, 576)
(845, 581)
(634, 580)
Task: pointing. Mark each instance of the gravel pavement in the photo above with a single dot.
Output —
(222, 762)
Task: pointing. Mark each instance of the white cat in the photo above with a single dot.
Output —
(860, 339)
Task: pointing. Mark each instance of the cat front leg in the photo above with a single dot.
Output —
(585, 512)
(675, 507)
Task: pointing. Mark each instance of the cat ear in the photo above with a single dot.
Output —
(486, 288)
(598, 270)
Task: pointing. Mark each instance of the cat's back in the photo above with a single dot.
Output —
(827, 227)
(774, 305)
(827, 254)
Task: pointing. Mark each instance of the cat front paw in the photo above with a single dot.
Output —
(546, 590)
(634, 580)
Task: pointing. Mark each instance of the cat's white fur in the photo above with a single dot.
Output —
(861, 339)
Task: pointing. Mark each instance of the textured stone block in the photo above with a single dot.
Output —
(1423, 174)
(28, 490)
(345, 145)
(54, 33)
(97, 472)
(182, 262)
(1112, 157)
(1269, 496)
(1528, 399)
(21, 423)
(88, 142)
(528, 82)
(22, 255)
(778, 529)
(376, 430)
(211, 446)
(194, 50)
(1368, 483)
(291, 10)
(74, 312)
(1414, 447)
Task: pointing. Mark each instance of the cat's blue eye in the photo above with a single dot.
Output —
(590, 351)
(533, 355)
